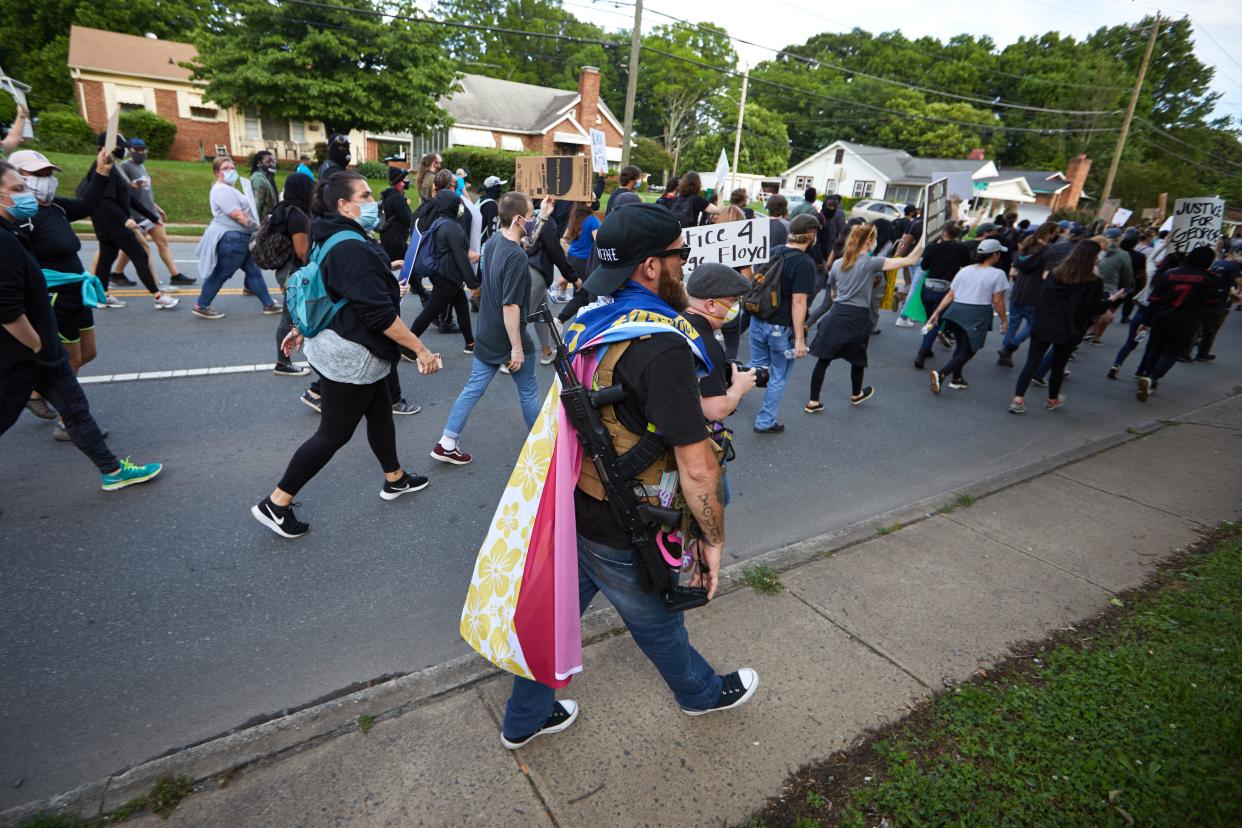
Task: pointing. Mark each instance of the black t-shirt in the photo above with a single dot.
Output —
(658, 375)
(715, 384)
(1029, 282)
(943, 259)
(798, 276)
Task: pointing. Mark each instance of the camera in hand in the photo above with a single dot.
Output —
(761, 374)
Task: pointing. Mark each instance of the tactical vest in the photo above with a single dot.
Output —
(622, 438)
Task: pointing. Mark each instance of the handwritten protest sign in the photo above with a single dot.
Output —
(599, 152)
(734, 243)
(1196, 222)
(722, 172)
(568, 177)
(1121, 216)
(19, 97)
(114, 126)
(248, 193)
(936, 209)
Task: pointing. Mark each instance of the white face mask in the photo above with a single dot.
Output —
(43, 187)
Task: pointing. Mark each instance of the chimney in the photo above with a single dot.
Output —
(976, 154)
(588, 107)
(1076, 171)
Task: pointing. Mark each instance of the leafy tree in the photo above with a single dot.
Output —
(649, 155)
(935, 139)
(158, 132)
(765, 143)
(344, 66)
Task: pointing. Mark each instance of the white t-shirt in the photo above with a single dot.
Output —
(975, 284)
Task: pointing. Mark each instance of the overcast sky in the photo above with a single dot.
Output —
(779, 23)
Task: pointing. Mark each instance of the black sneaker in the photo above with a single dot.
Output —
(919, 360)
(468, 350)
(775, 428)
(182, 279)
(403, 407)
(1112, 372)
(280, 519)
(289, 370)
(311, 400)
(564, 713)
(407, 484)
(121, 280)
(959, 384)
(736, 689)
(1205, 358)
(1042, 383)
(1006, 358)
(867, 393)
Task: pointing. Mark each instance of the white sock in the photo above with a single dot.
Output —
(448, 443)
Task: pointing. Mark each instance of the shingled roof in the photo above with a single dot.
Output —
(509, 106)
(124, 54)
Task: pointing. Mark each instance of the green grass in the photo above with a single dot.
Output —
(762, 578)
(960, 502)
(163, 798)
(365, 723)
(888, 530)
(1137, 723)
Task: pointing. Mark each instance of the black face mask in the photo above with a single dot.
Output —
(119, 153)
(340, 154)
(138, 157)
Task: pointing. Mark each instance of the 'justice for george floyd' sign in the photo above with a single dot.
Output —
(734, 243)
(1196, 222)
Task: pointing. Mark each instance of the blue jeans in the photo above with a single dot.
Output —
(480, 376)
(1018, 333)
(1135, 322)
(660, 634)
(768, 344)
(232, 255)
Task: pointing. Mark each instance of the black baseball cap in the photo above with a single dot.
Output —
(629, 236)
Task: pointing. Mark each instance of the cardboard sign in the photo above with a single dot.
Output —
(476, 224)
(936, 209)
(248, 192)
(599, 152)
(567, 177)
(114, 126)
(960, 184)
(734, 243)
(1108, 209)
(1196, 222)
(1121, 216)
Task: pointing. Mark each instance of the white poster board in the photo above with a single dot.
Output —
(734, 243)
(935, 209)
(599, 152)
(1196, 222)
(19, 97)
(1121, 216)
(959, 184)
(114, 126)
(476, 224)
(722, 174)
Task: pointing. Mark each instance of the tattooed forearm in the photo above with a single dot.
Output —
(710, 520)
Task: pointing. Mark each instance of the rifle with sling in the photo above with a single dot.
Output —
(643, 521)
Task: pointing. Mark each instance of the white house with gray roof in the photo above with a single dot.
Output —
(864, 171)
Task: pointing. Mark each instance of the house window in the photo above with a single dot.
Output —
(129, 107)
(253, 129)
(205, 112)
(802, 182)
(297, 132)
(840, 156)
(275, 129)
(830, 187)
(864, 189)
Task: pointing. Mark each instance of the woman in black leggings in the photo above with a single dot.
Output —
(1071, 297)
(354, 355)
(116, 231)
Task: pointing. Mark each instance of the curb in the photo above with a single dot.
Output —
(303, 729)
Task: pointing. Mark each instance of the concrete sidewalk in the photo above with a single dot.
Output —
(852, 641)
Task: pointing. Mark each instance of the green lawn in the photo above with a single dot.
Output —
(1135, 722)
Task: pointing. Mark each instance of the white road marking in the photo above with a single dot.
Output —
(181, 372)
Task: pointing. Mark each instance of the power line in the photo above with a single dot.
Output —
(1164, 134)
(817, 62)
(1142, 136)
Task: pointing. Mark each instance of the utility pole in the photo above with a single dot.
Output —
(631, 83)
(741, 113)
(1125, 125)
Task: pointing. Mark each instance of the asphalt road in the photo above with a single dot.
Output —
(143, 620)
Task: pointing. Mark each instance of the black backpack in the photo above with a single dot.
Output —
(683, 211)
(271, 247)
(764, 297)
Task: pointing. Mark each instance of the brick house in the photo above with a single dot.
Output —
(111, 70)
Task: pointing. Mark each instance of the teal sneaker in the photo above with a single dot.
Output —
(128, 474)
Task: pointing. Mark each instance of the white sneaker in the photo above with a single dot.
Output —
(113, 302)
(547, 359)
(902, 322)
(168, 288)
(166, 302)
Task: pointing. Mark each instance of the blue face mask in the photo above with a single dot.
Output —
(368, 215)
(25, 205)
(529, 225)
(230, 177)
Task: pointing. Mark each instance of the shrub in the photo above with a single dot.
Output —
(372, 170)
(158, 132)
(65, 132)
(480, 162)
(1083, 217)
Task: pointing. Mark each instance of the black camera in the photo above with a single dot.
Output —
(761, 374)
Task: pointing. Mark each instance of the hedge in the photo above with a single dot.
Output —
(372, 169)
(158, 132)
(64, 132)
(480, 162)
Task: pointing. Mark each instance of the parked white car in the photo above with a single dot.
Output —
(871, 209)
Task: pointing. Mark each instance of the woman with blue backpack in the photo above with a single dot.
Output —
(346, 306)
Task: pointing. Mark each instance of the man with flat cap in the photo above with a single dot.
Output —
(636, 337)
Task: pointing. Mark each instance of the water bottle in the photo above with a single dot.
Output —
(791, 354)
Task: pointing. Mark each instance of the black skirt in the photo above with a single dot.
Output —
(843, 334)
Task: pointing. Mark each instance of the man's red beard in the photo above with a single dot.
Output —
(671, 290)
